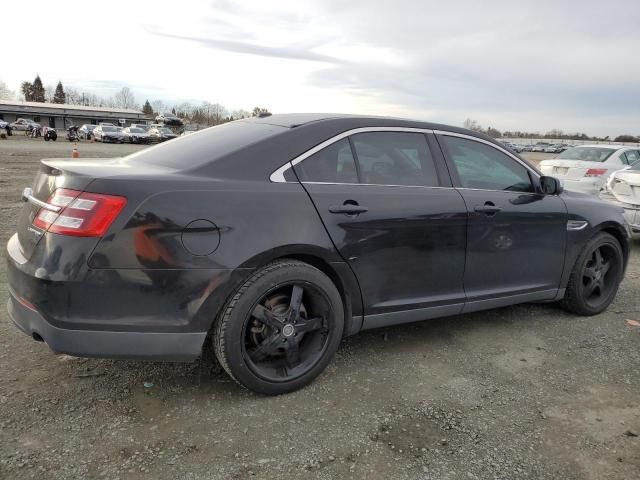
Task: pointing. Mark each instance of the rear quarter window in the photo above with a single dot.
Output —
(206, 146)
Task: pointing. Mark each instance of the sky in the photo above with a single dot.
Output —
(526, 65)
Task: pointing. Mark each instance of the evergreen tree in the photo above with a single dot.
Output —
(173, 110)
(147, 109)
(27, 90)
(37, 93)
(59, 96)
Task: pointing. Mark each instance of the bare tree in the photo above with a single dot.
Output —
(217, 113)
(5, 93)
(184, 110)
(471, 124)
(236, 114)
(49, 92)
(159, 106)
(125, 99)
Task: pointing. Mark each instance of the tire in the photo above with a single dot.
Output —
(268, 345)
(581, 297)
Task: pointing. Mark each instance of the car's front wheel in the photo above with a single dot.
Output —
(596, 276)
(279, 331)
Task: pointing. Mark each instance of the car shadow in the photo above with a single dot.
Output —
(205, 377)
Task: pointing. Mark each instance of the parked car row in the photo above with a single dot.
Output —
(136, 133)
(538, 147)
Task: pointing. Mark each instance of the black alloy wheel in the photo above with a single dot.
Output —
(600, 274)
(280, 330)
(596, 276)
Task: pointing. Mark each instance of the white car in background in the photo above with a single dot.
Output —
(623, 189)
(587, 168)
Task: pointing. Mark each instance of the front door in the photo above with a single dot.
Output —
(380, 197)
(516, 237)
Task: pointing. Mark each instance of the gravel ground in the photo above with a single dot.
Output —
(520, 392)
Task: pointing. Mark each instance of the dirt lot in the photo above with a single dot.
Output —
(521, 392)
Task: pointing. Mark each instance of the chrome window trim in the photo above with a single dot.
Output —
(278, 175)
(491, 144)
(378, 185)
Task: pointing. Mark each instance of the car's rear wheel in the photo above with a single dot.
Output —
(279, 331)
(596, 276)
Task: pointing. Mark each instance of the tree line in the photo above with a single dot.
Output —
(204, 113)
(555, 134)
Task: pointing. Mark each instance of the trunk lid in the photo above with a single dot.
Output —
(625, 186)
(73, 174)
(49, 178)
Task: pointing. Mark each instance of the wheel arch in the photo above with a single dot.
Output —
(329, 263)
(619, 233)
(578, 239)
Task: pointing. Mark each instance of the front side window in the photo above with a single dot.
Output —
(394, 158)
(484, 167)
(332, 164)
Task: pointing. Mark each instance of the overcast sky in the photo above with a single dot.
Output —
(531, 65)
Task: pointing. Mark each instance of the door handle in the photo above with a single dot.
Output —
(488, 208)
(349, 209)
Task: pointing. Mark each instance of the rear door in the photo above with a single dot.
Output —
(389, 208)
(516, 237)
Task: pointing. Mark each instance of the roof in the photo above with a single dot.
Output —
(292, 120)
(65, 106)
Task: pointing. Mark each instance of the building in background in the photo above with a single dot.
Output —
(55, 115)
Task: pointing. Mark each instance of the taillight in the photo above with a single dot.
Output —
(595, 172)
(83, 214)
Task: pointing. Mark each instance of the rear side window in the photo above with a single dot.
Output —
(632, 156)
(394, 158)
(206, 145)
(332, 164)
(481, 166)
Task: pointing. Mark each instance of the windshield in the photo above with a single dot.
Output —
(165, 130)
(589, 154)
(108, 129)
(136, 130)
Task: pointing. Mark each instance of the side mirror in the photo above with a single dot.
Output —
(550, 185)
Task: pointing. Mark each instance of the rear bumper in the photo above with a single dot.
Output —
(155, 314)
(106, 344)
(588, 185)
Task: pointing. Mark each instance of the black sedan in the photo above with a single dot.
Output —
(274, 238)
(161, 134)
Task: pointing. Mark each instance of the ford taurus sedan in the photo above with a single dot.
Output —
(274, 238)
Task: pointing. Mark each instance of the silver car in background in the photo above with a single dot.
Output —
(587, 168)
(135, 135)
(623, 189)
(108, 133)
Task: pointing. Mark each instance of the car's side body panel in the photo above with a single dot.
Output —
(407, 250)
